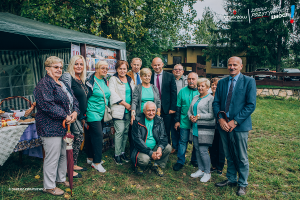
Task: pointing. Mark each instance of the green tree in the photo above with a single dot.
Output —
(265, 41)
(147, 26)
(203, 32)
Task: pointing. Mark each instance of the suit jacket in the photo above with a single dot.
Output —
(168, 92)
(243, 101)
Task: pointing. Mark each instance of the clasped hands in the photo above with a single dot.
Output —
(193, 118)
(228, 127)
(71, 118)
(157, 154)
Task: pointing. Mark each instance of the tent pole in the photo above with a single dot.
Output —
(32, 43)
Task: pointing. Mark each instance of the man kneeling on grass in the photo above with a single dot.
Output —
(150, 141)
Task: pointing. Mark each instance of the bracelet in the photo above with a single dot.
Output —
(158, 113)
(198, 116)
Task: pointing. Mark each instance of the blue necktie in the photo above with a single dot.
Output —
(229, 95)
(138, 80)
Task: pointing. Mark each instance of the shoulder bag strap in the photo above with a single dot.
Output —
(101, 90)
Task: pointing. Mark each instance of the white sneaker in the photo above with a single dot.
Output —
(98, 167)
(90, 162)
(197, 174)
(205, 178)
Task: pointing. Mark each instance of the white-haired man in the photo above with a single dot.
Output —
(134, 73)
(150, 141)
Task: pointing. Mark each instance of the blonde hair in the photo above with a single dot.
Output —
(205, 80)
(100, 63)
(52, 60)
(137, 59)
(145, 71)
(72, 64)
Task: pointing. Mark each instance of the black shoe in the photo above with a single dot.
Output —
(241, 191)
(225, 183)
(213, 169)
(158, 170)
(177, 167)
(82, 170)
(219, 172)
(139, 170)
(124, 157)
(194, 163)
(78, 176)
(118, 160)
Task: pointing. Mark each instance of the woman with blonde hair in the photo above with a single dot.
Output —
(75, 78)
(203, 128)
(98, 96)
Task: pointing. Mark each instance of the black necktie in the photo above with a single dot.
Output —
(229, 95)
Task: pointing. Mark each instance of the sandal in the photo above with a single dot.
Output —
(66, 183)
(55, 191)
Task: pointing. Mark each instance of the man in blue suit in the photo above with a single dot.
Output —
(236, 95)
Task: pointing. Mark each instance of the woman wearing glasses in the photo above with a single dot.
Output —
(121, 87)
(55, 102)
(75, 78)
(97, 91)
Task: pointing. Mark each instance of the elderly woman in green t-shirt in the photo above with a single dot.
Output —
(98, 95)
(144, 92)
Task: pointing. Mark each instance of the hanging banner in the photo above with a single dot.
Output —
(75, 50)
(96, 54)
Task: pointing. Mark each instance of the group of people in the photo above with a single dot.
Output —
(154, 110)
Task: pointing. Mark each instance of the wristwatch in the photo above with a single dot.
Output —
(198, 116)
(235, 122)
(133, 112)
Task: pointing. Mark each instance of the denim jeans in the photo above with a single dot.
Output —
(183, 142)
(241, 139)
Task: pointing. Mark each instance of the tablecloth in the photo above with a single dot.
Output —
(30, 143)
(9, 138)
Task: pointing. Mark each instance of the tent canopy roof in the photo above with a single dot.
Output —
(30, 34)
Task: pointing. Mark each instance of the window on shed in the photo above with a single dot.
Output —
(16, 80)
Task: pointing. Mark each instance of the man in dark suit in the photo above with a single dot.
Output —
(236, 95)
(165, 82)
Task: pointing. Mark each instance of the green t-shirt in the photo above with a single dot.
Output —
(150, 142)
(147, 95)
(127, 95)
(96, 108)
(184, 100)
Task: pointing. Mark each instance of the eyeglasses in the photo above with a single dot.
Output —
(178, 69)
(106, 69)
(56, 67)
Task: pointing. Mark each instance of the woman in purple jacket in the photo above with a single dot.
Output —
(55, 102)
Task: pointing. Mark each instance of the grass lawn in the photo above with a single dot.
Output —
(274, 157)
(277, 87)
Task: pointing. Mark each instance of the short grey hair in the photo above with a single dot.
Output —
(241, 61)
(178, 65)
(149, 102)
(193, 73)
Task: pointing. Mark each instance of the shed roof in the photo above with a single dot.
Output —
(29, 31)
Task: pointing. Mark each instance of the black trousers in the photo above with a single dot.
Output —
(130, 140)
(217, 155)
(167, 121)
(94, 141)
